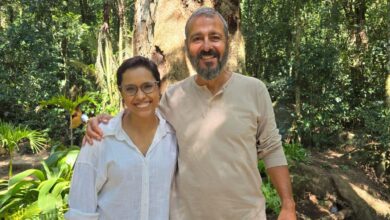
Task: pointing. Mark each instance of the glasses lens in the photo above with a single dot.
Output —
(131, 89)
(148, 87)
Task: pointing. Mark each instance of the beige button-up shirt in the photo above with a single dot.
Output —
(221, 137)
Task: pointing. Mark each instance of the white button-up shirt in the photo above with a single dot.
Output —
(112, 179)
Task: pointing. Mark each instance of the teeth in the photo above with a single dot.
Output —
(142, 105)
(207, 57)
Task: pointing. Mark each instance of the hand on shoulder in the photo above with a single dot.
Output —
(93, 131)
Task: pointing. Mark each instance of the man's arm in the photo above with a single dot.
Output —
(270, 150)
(280, 178)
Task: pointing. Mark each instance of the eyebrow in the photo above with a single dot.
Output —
(211, 33)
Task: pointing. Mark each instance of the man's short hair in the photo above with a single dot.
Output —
(207, 12)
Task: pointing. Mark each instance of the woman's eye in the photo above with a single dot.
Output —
(131, 89)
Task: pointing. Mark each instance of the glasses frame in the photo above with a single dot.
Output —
(155, 83)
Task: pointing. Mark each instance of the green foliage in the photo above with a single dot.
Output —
(318, 62)
(294, 153)
(69, 106)
(39, 194)
(376, 147)
(271, 196)
(37, 45)
(11, 136)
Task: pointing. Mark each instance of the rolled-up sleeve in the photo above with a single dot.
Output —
(85, 185)
(269, 144)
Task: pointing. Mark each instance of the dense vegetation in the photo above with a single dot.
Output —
(326, 64)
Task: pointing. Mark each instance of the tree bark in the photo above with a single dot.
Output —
(121, 19)
(144, 27)
(388, 90)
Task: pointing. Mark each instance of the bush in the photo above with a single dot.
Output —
(39, 193)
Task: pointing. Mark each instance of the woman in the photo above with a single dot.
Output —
(128, 174)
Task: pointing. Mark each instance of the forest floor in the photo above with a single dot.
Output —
(331, 186)
(328, 186)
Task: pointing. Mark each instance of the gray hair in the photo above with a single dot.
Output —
(207, 12)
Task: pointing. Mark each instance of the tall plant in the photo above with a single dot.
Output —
(69, 106)
(108, 59)
(11, 136)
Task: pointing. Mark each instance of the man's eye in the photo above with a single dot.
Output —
(215, 38)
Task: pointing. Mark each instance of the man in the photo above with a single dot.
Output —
(224, 122)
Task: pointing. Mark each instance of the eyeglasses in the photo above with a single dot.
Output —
(146, 87)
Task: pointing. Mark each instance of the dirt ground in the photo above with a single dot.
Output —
(21, 162)
(331, 186)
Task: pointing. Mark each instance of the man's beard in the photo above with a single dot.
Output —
(209, 73)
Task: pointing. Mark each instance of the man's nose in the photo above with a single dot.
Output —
(206, 45)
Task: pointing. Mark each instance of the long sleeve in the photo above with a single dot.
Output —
(85, 185)
(269, 144)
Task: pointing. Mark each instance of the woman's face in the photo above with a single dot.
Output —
(140, 92)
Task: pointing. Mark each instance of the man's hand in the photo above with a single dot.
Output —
(93, 129)
(280, 178)
(288, 211)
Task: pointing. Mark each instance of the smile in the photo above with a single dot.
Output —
(208, 57)
(143, 104)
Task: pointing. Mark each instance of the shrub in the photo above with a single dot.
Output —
(39, 193)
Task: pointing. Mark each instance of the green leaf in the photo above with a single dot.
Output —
(45, 186)
(30, 172)
(11, 205)
(14, 190)
(60, 187)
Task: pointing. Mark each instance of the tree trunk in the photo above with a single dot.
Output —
(358, 42)
(144, 27)
(161, 35)
(121, 19)
(295, 69)
(388, 90)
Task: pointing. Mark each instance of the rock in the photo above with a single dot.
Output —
(362, 211)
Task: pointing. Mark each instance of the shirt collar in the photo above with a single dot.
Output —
(114, 127)
(206, 91)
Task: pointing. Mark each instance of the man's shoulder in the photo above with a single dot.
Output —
(182, 83)
(248, 81)
(179, 87)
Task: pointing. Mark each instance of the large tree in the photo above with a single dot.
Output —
(159, 33)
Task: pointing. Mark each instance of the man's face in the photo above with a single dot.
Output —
(207, 46)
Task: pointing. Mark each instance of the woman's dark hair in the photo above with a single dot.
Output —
(135, 62)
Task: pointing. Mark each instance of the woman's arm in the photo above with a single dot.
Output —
(85, 185)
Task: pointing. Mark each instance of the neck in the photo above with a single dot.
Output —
(138, 123)
(215, 84)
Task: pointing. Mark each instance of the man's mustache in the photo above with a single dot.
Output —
(207, 53)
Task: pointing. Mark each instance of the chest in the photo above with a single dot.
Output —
(123, 163)
(228, 117)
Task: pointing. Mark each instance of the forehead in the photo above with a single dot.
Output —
(205, 25)
(137, 75)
